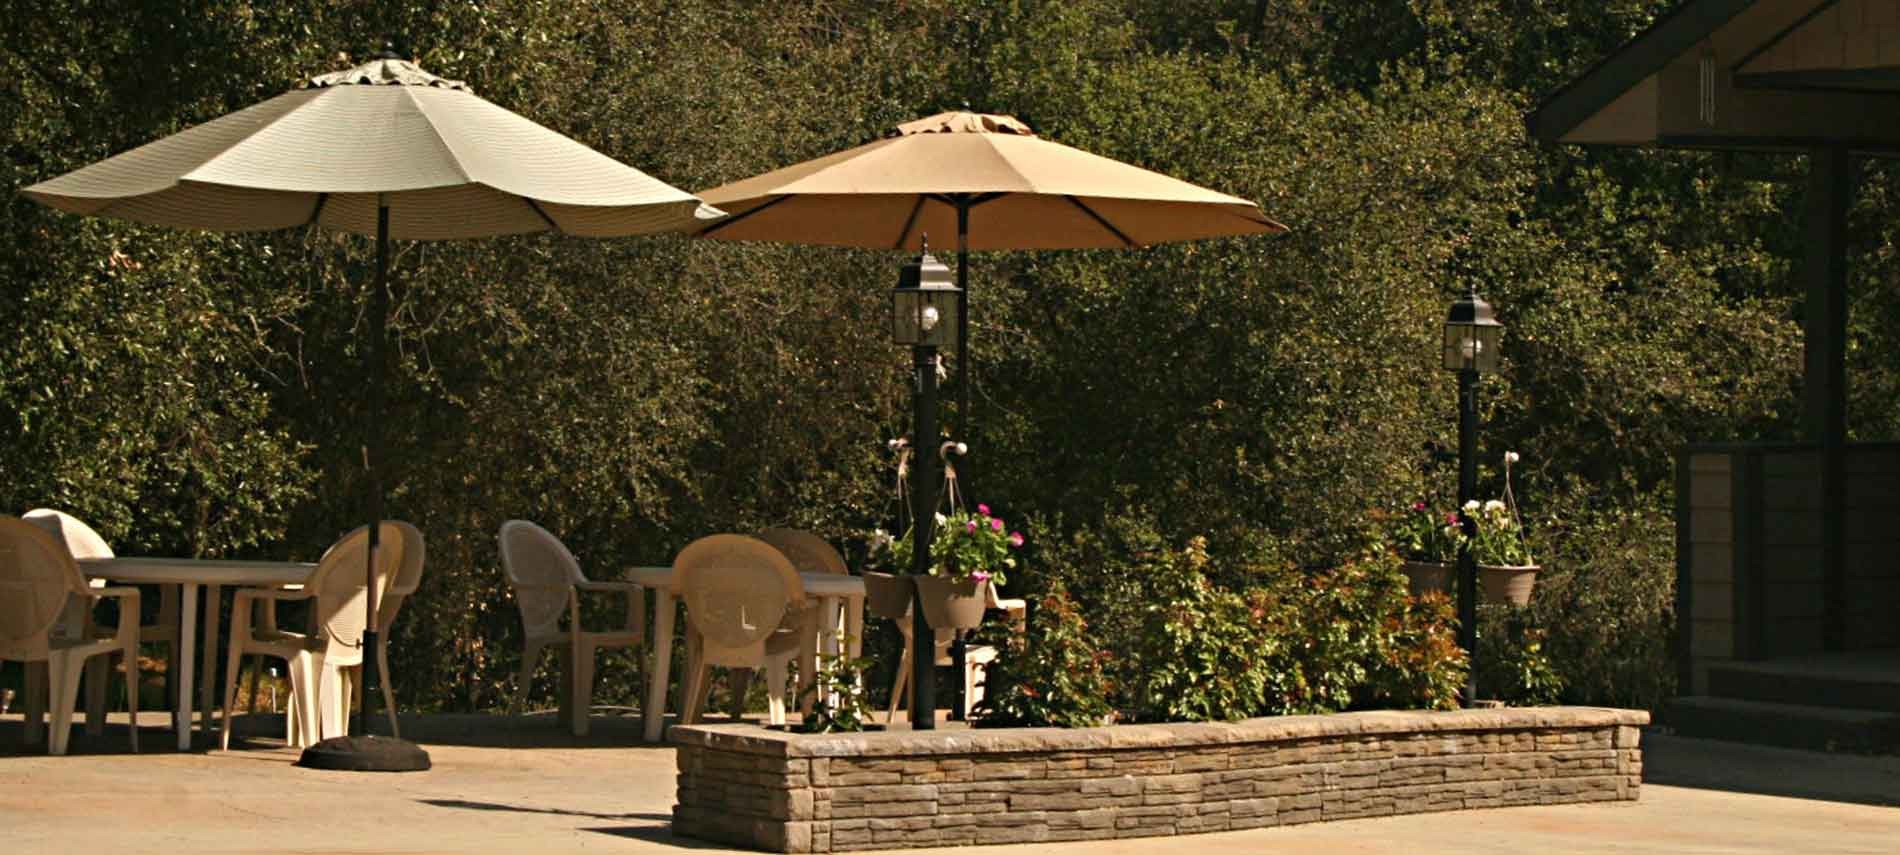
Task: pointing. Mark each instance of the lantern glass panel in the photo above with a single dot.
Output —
(1473, 346)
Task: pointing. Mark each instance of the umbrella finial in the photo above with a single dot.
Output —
(926, 247)
(390, 50)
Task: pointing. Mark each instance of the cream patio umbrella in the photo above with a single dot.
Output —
(989, 180)
(389, 150)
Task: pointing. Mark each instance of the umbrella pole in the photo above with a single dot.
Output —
(359, 751)
(964, 364)
(373, 459)
(958, 650)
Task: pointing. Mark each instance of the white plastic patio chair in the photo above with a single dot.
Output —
(547, 583)
(745, 608)
(46, 616)
(316, 659)
(388, 606)
(83, 542)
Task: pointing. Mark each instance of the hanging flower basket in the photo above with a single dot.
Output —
(1423, 576)
(1511, 585)
(952, 603)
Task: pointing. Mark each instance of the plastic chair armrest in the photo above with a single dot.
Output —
(128, 611)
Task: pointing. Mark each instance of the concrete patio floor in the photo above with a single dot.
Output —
(522, 786)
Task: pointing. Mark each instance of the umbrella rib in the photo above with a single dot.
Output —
(909, 221)
(1103, 222)
(552, 226)
(316, 211)
(740, 216)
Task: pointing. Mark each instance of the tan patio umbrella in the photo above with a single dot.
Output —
(382, 149)
(987, 179)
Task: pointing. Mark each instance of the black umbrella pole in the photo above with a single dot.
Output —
(378, 367)
(966, 426)
(360, 752)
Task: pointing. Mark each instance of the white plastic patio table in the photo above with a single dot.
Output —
(189, 574)
(830, 589)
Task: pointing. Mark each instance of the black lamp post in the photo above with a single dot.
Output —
(1472, 335)
(925, 308)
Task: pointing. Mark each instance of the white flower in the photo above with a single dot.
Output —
(941, 519)
(1494, 507)
(1510, 457)
(1471, 507)
(880, 539)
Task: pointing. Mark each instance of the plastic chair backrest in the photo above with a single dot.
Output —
(737, 589)
(341, 588)
(79, 538)
(408, 576)
(542, 572)
(808, 552)
(37, 575)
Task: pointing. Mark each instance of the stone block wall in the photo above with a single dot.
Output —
(828, 793)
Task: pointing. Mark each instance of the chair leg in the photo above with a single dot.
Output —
(695, 692)
(583, 685)
(131, 655)
(35, 707)
(305, 682)
(389, 693)
(235, 659)
(739, 682)
(63, 671)
(293, 718)
(898, 685)
(524, 680)
(333, 699)
(257, 668)
(98, 670)
(775, 690)
(564, 685)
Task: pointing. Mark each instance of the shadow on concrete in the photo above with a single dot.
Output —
(154, 737)
(538, 730)
(657, 834)
(464, 804)
(1708, 764)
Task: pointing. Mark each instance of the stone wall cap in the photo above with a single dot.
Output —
(752, 739)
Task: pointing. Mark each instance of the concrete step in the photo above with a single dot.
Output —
(1816, 728)
(1751, 681)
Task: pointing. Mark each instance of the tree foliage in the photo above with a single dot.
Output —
(201, 394)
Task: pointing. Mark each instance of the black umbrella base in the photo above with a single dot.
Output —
(365, 754)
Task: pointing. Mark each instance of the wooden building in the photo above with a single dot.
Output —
(1788, 553)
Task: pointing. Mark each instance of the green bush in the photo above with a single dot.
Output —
(1513, 665)
(1222, 635)
(1606, 599)
(1199, 650)
(1053, 675)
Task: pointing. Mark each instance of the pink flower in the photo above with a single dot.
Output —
(1418, 506)
(1451, 519)
(996, 524)
(980, 575)
(970, 526)
(983, 509)
(1016, 538)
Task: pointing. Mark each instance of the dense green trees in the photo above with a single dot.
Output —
(198, 393)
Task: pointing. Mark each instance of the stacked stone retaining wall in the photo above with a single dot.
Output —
(828, 793)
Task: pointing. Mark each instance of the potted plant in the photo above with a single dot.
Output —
(1506, 569)
(1427, 541)
(969, 553)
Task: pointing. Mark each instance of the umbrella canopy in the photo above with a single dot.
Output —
(1020, 192)
(988, 180)
(382, 149)
(447, 163)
